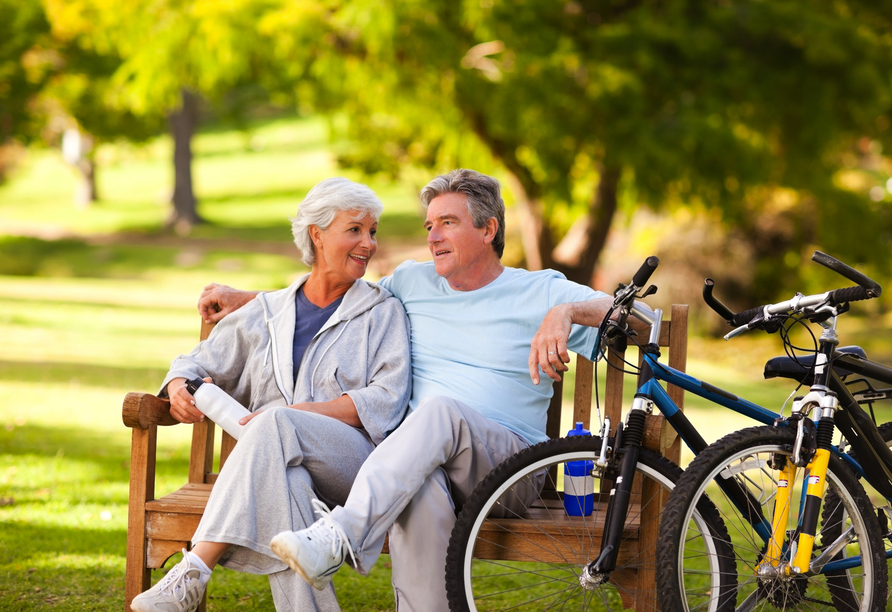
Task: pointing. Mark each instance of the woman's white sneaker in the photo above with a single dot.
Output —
(181, 590)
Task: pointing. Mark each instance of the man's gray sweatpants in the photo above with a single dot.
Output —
(283, 460)
(411, 485)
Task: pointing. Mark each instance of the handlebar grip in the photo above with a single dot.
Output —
(645, 271)
(742, 318)
(849, 294)
(871, 286)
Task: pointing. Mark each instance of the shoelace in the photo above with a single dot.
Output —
(177, 578)
(333, 532)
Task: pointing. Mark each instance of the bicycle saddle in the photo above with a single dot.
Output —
(799, 369)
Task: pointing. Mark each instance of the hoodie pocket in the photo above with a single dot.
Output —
(329, 387)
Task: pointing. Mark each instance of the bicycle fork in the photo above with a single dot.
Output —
(621, 493)
(811, 452)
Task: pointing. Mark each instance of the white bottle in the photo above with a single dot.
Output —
(217, 405)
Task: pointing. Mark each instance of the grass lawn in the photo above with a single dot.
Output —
(95, 303)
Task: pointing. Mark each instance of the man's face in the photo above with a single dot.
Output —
(461, 251)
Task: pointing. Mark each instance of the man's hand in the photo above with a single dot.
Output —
(548, 350)
(182, 404)
(217, 301)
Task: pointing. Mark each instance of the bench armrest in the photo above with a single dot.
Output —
(142, 410)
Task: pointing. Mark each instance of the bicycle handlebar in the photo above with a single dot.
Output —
(645, 271)
(754, 317)
(873, 289)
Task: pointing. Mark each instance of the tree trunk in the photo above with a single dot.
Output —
(585, 241)
(532, 226)
(577, 254)
(182, 126)
(77, 150)
(85, 193)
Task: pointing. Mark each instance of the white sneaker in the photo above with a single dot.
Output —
(180, 590)
(316, 552)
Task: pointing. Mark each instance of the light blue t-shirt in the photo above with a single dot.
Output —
(473, 346)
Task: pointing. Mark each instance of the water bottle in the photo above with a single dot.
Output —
(579, 484)
(217, 405)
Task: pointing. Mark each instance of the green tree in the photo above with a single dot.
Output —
(26, 61)
(592, 104)
(50, 81)
(173, 54)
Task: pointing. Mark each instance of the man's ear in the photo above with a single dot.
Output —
(490, 230)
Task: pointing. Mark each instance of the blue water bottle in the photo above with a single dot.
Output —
(579, 484)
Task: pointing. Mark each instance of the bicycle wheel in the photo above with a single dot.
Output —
(840, 582)
(747, 458)
(534, 559)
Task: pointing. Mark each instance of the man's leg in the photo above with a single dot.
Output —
(291, 593)
(419, 537)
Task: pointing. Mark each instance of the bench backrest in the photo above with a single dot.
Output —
(673, 335)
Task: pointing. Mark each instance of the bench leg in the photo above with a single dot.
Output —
(142, 488)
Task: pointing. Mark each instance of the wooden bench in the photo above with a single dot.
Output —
(161, 527)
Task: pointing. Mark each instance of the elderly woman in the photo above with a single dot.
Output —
(327, 362)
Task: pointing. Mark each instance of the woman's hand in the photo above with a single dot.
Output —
(247, 419)
(182, 404)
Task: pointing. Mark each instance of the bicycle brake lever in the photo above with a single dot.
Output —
(737, 332)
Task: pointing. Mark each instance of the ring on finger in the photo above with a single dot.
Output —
(551, 352)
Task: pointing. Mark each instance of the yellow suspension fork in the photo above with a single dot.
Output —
(774, 552)
(817, 483)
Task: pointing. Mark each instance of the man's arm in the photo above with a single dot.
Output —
(217, 301)
(548, 351)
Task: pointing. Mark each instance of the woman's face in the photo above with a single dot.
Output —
(346, 247)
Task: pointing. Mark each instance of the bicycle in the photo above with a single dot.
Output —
(814, 539)
(587, 564)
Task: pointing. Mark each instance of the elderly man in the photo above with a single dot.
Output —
(474, 400)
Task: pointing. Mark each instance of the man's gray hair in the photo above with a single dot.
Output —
(323, 203)
(484, 199)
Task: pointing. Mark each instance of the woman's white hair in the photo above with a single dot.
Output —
(323, 203)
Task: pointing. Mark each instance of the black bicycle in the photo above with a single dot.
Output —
(815, 539)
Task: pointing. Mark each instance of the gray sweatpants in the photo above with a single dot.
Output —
(284, 459)
(411, 485)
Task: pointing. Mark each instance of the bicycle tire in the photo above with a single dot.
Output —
(542, 576)
(840, 583)
(746, 456)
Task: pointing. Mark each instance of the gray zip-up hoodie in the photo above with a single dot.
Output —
(362, 350)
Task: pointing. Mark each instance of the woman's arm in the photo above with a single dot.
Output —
(342, 409)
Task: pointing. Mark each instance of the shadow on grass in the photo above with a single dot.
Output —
(112, 377)
(25, 256)
(80, 454)
(24, 542)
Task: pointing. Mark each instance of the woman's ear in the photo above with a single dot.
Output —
(316, 236)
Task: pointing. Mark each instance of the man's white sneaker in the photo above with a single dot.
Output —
(316, 552)
(180, 590)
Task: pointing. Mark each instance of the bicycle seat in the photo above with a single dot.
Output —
(799, 369)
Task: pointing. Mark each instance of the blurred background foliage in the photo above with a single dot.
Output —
(150, 147)
(739, 134)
